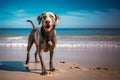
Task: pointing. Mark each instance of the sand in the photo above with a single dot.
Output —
(70, 64)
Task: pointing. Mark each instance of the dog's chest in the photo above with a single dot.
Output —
(47, 40)
(46, 45)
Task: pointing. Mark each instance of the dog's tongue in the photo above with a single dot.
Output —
(48, 28)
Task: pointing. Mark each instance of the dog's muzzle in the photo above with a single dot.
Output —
(48, 28)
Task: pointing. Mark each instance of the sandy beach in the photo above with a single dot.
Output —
(70, 63)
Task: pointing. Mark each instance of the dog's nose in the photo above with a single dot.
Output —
(47, 22)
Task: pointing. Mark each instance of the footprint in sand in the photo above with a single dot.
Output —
(62, 62)
(75, 66)
(99, 68)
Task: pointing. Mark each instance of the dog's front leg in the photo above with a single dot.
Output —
(51, 60)
(44, 71)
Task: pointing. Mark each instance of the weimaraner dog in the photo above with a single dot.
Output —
(44, 39)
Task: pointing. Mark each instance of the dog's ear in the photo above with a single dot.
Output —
(39, 18)
(57, 19)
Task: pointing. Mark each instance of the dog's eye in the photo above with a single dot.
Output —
(51, 16)
(44, 17)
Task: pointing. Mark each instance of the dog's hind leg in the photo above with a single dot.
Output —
(30, 43)
(36, 53)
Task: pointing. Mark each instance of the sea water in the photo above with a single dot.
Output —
(66, 37)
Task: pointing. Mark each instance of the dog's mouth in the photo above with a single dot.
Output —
(48, 28)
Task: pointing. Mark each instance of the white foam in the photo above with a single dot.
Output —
(13, 44)
(69, 44)
(88, 45)
(14, 38)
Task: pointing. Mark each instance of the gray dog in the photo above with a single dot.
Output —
(44, 38)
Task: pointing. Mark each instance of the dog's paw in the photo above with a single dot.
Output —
(27, 62)
(44, 73)
(52, 69)
(37, 61)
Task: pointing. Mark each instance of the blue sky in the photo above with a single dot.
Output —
(73, 13)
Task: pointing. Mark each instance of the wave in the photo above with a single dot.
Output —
(14, 38)
(66, 38)
(71, 45)
(13, 44)
(67, 41)
(88, 45)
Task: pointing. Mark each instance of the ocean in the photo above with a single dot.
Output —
(66, 37)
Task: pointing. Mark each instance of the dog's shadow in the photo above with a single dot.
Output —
(16, 66)
(21, 67)
(13, 66)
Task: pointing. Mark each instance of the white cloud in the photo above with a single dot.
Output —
(21, 23)
(17, 19)
(83, 18)
(19, 13)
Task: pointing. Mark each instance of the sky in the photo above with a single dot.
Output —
(72, 13)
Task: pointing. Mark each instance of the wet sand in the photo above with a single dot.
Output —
(70, 63)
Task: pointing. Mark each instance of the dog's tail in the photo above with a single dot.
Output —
(31, 23)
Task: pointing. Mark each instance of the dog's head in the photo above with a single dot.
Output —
(48, 20)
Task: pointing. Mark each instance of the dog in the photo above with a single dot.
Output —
(44, 39)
